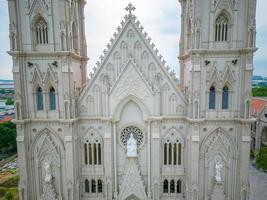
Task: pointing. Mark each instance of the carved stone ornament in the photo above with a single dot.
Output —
(132, 147)
(131, 84)
(132, 184)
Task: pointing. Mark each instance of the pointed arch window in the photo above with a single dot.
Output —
(172, 186)
(225, 98)
(179, 186)
(172, 153)
(93, 186)
(221, 28)
(86, 186)
(40, 101)
(212, 97)
(165, 186)
(92, 153)
(99, 186)
(52, 99)
(41, 31)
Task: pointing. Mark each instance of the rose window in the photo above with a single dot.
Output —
(126, 133)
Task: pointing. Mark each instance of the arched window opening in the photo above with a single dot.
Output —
(170, 154)
(85, 154)
(52, 99)
(212, 98)
(175, 154)
(93, 186)
(179, 186)
(99, 186)
(99, 154)
(165, 154)
(221, 28)
(225, 98)
(165, 186)
(86, 185)
(179, 154)
(41, 31)
(172, 186)
(90, 154)
(95, 154)
(40, 101)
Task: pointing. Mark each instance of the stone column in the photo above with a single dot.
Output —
(24, 177)
(115, 159)
(244, 158)
(194, 162)
(69, 159)
(107, 158)
(156, 152)
(149, 159)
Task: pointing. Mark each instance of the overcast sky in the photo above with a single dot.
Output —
(160, 18)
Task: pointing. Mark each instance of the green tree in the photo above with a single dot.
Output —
(259, 92)
(8, 144)
(8, 196)
(9, 101)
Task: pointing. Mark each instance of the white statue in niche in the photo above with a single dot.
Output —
(218, 169)
(131, 147)
(48, 171)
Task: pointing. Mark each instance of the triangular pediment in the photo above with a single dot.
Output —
(50, 76)
(37, 76)
(214, 76)
(132, 184)
(130, 82)
(228, 75)
(130, 49)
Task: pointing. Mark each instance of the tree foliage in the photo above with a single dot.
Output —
(8, 144)
(261, 160)
(9, 101)
(259, 92)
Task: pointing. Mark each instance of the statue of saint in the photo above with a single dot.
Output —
(131, 147)
(48, 171)
(218, 169)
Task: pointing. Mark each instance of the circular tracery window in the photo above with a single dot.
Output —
(137, 134)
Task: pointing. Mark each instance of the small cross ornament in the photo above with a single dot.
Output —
(130, 8)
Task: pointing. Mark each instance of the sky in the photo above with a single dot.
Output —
(160, 18)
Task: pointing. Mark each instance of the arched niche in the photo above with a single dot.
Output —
(218, 144)
(47, 147)
(130, 102)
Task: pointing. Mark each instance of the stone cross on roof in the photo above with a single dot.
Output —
(130, 8)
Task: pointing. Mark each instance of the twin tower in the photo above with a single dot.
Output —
(192, 135)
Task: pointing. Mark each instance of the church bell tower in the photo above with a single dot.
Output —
(48, 47)
(216, 64)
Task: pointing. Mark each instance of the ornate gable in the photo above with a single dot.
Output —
(130, 44)
(132, 184)
(131, 83)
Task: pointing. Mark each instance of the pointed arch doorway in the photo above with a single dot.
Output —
(132, 197)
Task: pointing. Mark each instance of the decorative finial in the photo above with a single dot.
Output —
(130, 8)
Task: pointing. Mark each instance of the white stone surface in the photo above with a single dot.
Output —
(178, 135)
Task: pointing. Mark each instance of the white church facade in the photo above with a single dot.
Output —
(131, 130)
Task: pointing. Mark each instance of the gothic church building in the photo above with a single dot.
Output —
(189, 139)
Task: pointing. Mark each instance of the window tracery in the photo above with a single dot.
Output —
(92, 150)
(41, 31)
(221, 28)
(137, 134)
(39, 99)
